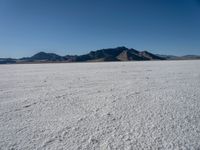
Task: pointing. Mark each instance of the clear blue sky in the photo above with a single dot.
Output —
(78, 26)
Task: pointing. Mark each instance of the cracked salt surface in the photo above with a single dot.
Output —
(116, 105)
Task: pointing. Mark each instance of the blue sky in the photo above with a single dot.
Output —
(78, 26)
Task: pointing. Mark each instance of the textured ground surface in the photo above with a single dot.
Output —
(118, 105)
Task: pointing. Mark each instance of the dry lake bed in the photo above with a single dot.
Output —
(106, 106)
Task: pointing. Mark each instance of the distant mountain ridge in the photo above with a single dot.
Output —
(185, 57)
(7, 61)
(109, 54)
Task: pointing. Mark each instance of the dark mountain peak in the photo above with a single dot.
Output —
(121, 48)
(41, 53)
(118, 54)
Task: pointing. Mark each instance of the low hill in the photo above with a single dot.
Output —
(42, 56)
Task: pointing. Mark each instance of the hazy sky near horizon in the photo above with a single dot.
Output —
(78, 26)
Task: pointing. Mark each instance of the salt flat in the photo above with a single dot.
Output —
(116, 105)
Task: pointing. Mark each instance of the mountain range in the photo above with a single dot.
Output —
(110, 54)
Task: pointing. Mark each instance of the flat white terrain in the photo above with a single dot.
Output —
(116, 105)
